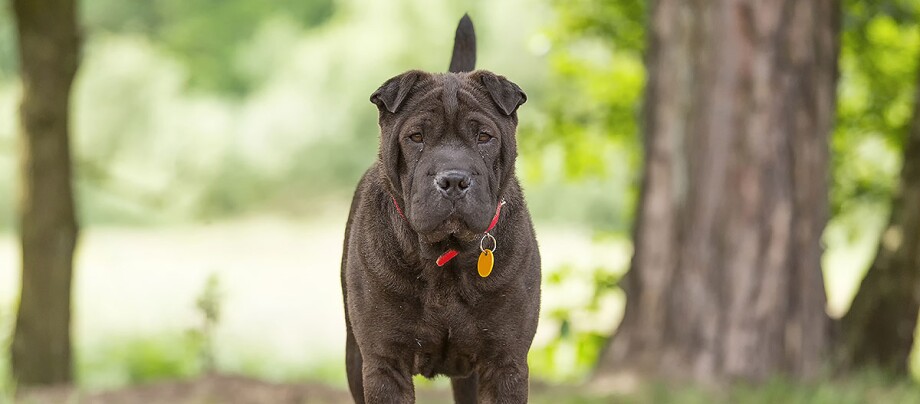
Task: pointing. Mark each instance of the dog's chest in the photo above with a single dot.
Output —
(450, 335)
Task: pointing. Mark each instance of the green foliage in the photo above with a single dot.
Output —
(590, 105)
(596, 82)
(157, 142)
(330, 371)
(208, 305)
(581, 306)
(130, 360)
(8, 58)
(878, 73)
(235, 186)
(119, 361)
(621, 23)
(206, 35)
(572, 353)
(138, 359)
(7, 163)
(7, 386)
(569, 357)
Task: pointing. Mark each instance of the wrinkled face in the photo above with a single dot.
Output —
(448, 149)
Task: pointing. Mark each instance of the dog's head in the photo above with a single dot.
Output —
(448, 148)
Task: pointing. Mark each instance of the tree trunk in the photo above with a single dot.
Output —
(48, 55)
(725, 282)
(879, 328)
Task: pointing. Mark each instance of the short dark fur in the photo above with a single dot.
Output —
(406, 316)
(464, 57)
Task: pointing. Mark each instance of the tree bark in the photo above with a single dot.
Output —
(725, 282)
(879, 328)
(48, 54)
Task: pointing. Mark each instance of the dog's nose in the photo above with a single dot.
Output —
(453, 184)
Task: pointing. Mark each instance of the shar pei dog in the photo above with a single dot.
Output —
(440, 270)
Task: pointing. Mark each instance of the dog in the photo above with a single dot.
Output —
(441, 269)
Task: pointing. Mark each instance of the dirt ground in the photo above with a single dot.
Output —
(209, 389)
(220, 389)
(229, 389)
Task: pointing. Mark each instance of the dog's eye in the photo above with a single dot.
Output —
(416, 137)
(484, 137)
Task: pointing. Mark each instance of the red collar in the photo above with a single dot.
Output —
(451, 253)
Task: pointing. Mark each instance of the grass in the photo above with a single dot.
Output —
(863, 387)
(132, 360)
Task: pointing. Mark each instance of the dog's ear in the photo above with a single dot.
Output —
(506, 94)
(394, 91)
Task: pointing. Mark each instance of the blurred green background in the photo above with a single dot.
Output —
(222, 140)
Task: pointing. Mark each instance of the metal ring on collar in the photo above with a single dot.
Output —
(483, 239)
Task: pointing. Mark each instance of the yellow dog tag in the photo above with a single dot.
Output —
(486, 260)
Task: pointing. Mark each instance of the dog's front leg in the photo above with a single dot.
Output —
(504, 383)
(386, 383)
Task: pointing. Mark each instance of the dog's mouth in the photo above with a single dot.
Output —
(452, 231)
(434, 245)
(458, 229)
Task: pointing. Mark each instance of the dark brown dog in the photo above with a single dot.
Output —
(445, 167)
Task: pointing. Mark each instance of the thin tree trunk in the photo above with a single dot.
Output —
(879, 328)
(726, 281)
(48, 55)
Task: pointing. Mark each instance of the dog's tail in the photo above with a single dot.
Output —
(464, 58)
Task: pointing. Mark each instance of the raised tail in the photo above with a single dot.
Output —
(464, 57)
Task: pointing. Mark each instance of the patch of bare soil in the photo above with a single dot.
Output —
(220, 389)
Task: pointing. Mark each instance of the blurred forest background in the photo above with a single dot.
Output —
(216, 145)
